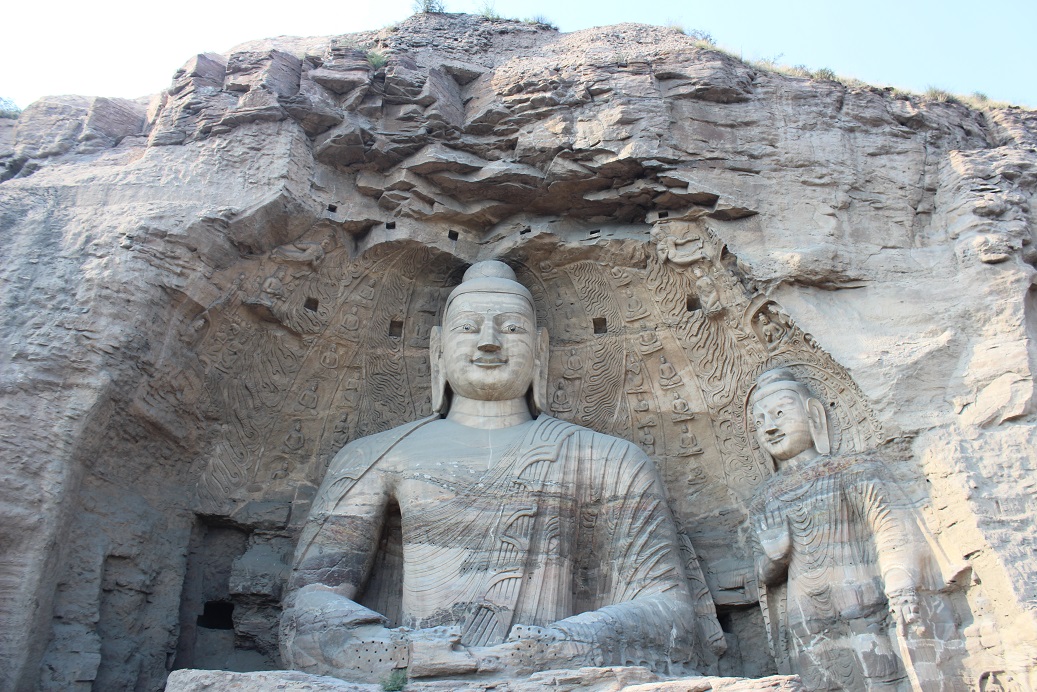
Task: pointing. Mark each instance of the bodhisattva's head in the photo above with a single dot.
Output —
(790, 423)
(488, 348)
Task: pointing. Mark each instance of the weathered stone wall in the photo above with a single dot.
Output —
(206, 295)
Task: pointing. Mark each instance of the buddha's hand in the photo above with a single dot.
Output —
(530, 649)
(772, 529)
(325, 633)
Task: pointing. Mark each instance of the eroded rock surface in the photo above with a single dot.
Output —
(206, 296)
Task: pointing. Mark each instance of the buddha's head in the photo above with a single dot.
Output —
(488, 347)
(790, 422)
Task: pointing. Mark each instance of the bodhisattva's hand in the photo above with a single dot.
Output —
(530, 649)
(772, 529)
(906, 609)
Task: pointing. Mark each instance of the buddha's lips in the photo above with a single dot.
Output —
(489, 362)
(773, 439)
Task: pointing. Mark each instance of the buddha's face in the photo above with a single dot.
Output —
(782, 424)
(489, 346)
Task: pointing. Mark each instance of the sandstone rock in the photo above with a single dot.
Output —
(178, 275)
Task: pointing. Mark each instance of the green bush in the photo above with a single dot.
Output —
(825, 74)
(489, 11)
(429, 6)
(541, 20)
(935, 94)
(376, 59)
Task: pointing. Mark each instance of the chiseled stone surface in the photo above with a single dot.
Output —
(631, 679)
(206, 296)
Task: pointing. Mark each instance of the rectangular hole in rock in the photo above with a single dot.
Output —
(452, 235)
(217, 615)
(389, 225)
(525, 230)
(664, 214)
(396, 329)
(595, 233)
(332, 208)
(693, 304)
(600, 325)
(311, 304)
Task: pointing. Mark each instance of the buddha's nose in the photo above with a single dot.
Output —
(488, 340)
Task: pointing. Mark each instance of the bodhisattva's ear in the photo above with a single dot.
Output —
(543, 353)
(438, 371)
(819, 425)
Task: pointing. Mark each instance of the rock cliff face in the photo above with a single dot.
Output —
(206, 295)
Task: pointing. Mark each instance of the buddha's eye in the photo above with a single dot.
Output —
(467, 327)
(511, 328)
(779, 414)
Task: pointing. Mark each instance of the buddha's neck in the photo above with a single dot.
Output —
(488, 415)
(800, 460)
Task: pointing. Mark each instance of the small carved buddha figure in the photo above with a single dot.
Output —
(495, 518)
(295, 440)
(648, 441)
(341, 433)
(329, 358)
(688, 444)
(648, 342)
(706, 289)
(668, 375)
(308, 399)
(681, 409)
(273, 288)
(560, 399)
(620, 275)
(635, 376)
(367, 290)
(351, 324)
(771, 331)
(573, 366)
(635, 308)
(839, 552)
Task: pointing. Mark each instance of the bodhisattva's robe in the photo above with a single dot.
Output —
(546, 524)
(852, 538)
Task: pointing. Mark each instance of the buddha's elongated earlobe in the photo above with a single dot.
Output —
(438, 372)
(540, 362)
(819, 426)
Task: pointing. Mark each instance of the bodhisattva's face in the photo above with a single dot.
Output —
(782, 424)
(489, 346)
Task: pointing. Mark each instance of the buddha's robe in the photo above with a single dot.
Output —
(545, 524)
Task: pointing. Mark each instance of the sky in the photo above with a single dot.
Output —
(132, 48)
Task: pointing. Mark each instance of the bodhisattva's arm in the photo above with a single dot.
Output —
(901, 551)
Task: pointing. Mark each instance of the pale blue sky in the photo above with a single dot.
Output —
(131, 48)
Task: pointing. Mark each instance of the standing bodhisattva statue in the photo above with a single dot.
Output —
(527, 543)
(841, 556)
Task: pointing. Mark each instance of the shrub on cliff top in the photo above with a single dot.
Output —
(429, 6)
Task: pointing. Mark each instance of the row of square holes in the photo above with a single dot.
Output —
(453, 235)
